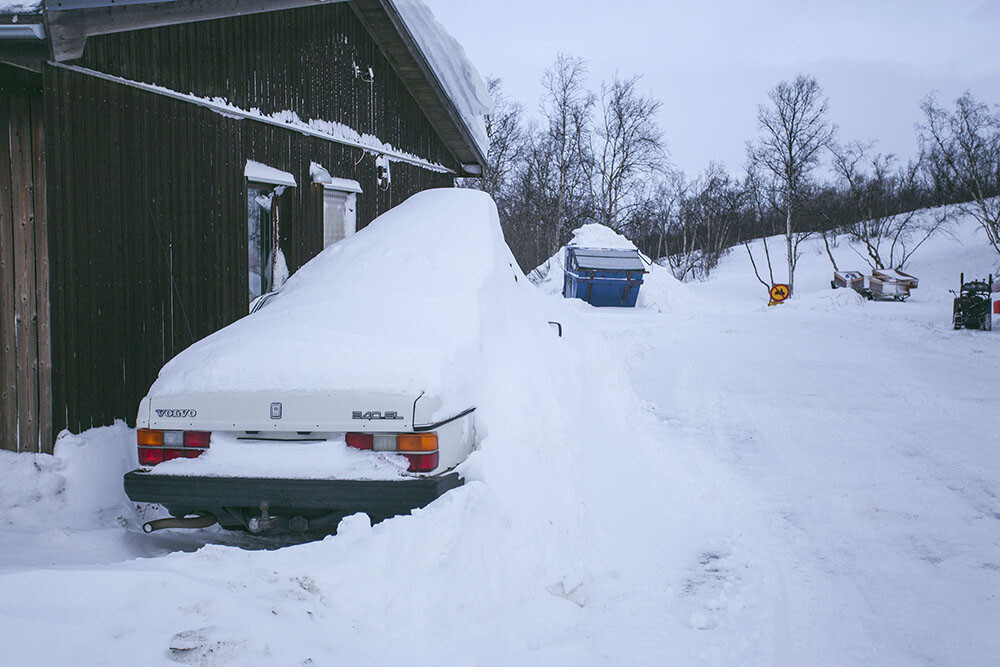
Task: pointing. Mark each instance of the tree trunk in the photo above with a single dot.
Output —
(791, 252)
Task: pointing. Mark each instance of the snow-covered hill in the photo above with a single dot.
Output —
(705, 480)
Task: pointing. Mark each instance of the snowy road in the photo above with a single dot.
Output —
(856, 444)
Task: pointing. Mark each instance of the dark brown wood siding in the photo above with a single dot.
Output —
(148, 230)
(25, 371)
(300, 61)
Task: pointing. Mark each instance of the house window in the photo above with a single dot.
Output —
(340, 218)
(340, 205)
(261, 216)
(267, 269)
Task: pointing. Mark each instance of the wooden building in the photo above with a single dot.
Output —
(169, 159)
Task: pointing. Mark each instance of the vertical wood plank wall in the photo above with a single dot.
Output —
(147, 196)
(25, 369)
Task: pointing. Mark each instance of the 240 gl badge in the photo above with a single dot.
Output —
(376, 415)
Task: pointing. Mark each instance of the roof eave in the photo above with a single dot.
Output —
(452, 128)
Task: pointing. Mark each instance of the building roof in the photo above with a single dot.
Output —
(431, 64)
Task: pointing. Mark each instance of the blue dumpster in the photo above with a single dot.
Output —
(603, 277)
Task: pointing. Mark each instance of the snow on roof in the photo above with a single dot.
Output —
(261, 173)
(457, 74)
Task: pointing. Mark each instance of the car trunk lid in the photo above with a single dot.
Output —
(276, 411)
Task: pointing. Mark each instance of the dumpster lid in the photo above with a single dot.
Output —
(603, 259)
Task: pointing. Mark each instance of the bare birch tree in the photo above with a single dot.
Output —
(795, 130)
(761, 199)
(629, 150)
(965, 145)
(875, 188)
(567, 106)
(505, 130)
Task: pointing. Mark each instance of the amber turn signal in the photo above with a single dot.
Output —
(149, 438)
(417, 442)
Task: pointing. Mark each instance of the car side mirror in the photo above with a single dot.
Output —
(558, 328)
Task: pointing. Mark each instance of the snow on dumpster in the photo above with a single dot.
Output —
(603, 277)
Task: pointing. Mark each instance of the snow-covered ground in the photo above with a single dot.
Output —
(704, 480)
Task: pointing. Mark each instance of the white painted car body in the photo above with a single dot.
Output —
(312, 417)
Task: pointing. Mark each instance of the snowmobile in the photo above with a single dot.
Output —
(972, 305)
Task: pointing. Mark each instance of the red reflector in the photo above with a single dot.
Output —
(193, 453)
(197, 439)
(150, 457)
(422, 462)
(360, 440)
(171, 454)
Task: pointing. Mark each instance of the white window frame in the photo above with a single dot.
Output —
(350, 188)
(259, 176)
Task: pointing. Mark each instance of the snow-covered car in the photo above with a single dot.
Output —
(351, 390)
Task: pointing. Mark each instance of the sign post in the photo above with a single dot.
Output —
(779, 294)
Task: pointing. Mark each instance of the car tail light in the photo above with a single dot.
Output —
(156, 446)
(417, 442)
(147, 438)
(360, 440)
(149, 456)
(420, 449)
(197, 439)
(422, 462)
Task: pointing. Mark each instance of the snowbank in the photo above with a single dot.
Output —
(80, 486)
(447, 58)
(660, 290)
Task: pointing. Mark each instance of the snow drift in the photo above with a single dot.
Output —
(77, 487)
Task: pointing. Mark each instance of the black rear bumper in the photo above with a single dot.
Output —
(289, 497)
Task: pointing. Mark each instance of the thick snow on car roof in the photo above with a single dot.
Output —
(396, 307)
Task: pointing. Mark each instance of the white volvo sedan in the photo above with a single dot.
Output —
(354, 389)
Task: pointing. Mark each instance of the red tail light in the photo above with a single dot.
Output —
(426, 444)
(149, 456)
(157, 446)
(360, 440)
(422, 462)
(197, 439)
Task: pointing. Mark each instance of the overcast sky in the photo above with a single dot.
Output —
(712, 62)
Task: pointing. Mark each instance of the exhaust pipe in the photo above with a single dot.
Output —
(200, 520)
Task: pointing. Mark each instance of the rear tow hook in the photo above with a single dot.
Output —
(200, 520)
(265, 522)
